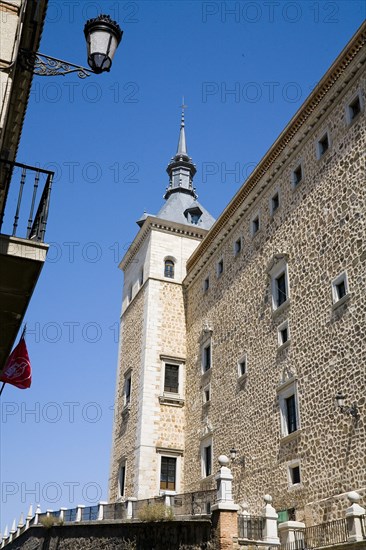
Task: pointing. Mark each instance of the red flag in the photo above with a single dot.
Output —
(17, 370)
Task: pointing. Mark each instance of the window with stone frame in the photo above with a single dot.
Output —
(297, 175)
(206, 284)
(323, 144)
(206, 357)
(237, 246)
(354, 108)
(122, 479)
(255, 224)
(220, 268)
(206, 458)
(171, 378)
(127, 389)
(340, 289)
(168, 472)
(242, 366)
(274, 202)
(206, 394)
(280, 290)
(294, 474)
(169, 269)
(289, 407)
(283, 333)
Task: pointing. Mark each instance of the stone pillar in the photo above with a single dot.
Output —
(353, 514)
(225, 511)
(101, 510)
(130, 502)
(79, 512)
(270, 532)
(288, 529)
(62, 514)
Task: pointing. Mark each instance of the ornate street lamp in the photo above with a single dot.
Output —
(103, 36)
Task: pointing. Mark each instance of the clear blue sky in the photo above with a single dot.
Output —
(244, 69)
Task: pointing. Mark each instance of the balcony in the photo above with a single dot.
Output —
(22, 249)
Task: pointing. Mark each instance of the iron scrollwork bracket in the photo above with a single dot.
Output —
(44, 65)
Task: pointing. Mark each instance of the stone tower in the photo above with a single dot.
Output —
(148, 438)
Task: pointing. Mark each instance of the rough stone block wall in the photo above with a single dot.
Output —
(124, 436)
(174, 535)
(320, 226)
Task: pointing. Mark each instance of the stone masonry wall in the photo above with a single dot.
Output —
(124, 436)
(320, 227)
(188, 535)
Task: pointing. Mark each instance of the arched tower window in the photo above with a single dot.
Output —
(169, 269)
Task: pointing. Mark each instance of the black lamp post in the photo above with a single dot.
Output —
(103, 36)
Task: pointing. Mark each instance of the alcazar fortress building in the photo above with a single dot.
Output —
(248, 332)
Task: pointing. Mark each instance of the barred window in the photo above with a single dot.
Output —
(169, 269)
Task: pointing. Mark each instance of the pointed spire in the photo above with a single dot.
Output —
(182, 147)
(181, 169)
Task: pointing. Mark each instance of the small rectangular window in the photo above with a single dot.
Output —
(207, 460)
(127, 390)
(171, 378)
(168, 473)
(255, 225)
(237, 247)
(206, 358)
(283, 333)
(242, 366)
(220, 268)
(275, 203)
(121, 480)
(354, 108)
(294, 474)
(323, 145)
(206, 394)
(297, 175)
(281, 291)
(141, 280)
(290, 411)
(340, 287)
(206, 284)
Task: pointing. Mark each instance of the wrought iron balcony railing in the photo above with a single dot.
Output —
(30, 201)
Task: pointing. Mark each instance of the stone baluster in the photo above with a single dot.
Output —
(270, 532)
(353, 516)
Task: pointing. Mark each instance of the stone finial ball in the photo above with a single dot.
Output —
(268, 499)
(223, 460)
(353, 496)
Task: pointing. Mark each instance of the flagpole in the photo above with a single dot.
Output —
(2, 387)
